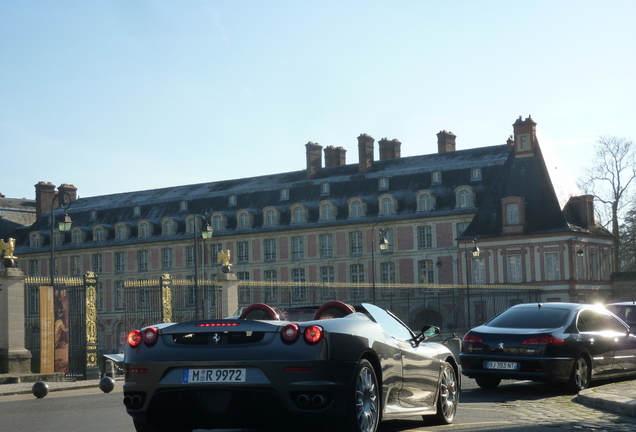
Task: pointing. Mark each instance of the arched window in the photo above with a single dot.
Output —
(77, 236)
(326, 211)
(167, 227)
(121, 232)
(298, 214)
(34, 240)
(387, 206)
(217, 222)
(464, 197)
(270, 217)
(243, 220)
(98, 234)
(356, 208)
(144, 229)
(425, 201)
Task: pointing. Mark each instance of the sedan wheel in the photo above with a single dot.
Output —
(366, 399)
(448, 396)
(580, 377)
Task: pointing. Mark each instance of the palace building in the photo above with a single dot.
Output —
(322, 224)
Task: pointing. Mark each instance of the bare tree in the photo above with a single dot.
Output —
(609, 179)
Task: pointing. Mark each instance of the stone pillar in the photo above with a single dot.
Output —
(14, 357)
(229, 294)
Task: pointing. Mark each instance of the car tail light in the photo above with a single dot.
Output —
(471, 338)
(290, 333)
(313, 334)
(134, 338)
(149, 335)
(544, 340)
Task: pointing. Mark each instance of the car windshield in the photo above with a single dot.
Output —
(530, 317)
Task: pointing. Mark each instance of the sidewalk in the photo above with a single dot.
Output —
(13, 388)
(619, 398)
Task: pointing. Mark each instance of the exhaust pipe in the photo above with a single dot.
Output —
(318, 400)
(135, 401)
(127, 401)
(302, 400)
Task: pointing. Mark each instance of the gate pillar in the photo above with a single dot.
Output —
(229, 294)
(14, 357)
(92, 369)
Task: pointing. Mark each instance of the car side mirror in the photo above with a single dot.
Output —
(428, 331)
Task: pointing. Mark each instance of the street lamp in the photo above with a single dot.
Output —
(475, 252)
(384, 245)
(63, 226)
(206, 233)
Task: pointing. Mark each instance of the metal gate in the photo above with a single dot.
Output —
(168, 300)
(69, 296)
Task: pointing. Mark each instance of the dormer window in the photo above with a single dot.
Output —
(218, 222)
(325, 188)
(270, 217)
(231, 200)
(326, 210)
(383, 184)
(356, 208)
(93, 215)
(387, 205)
(284, 194)
(436, 177)
(299, 214)
(513, 214)
(144, 229)
(167, 227)
(136, 210)
(475, 174)
(121, 232)
(98, 234)
(34, 240)
(425, 201)
(464, 197)
(77, 236)
(183, 205)
(244, 219)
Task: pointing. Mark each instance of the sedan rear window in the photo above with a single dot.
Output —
(530, 317)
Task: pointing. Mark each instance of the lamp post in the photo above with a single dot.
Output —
(206, 234)
(384, 245)
(475, 253)
(63, 226)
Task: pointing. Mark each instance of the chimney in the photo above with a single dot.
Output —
(68, 189)
(525, 136)
(365, 153)
(389, 149)
(445, 142)
(335, 156)
(314, 159)
(44, 196)
(587, 211)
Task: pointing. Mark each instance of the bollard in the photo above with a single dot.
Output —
(40, 389)
(106, 384)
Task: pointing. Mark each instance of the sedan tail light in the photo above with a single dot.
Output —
(290, 333)
(471, 338)
(544, 341)
(313, 334)
(134, 338)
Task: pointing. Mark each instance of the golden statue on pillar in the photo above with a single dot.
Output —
(6, 250)
(223, 258)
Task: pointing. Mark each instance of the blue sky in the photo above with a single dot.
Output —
(117, 96)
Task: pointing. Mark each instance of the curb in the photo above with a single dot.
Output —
(609, 402)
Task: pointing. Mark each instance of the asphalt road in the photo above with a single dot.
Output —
(512, 407)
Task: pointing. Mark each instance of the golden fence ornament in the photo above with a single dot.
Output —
(166, 298)
(90, 282)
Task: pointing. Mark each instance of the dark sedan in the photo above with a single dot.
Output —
(323, 367)
(553, 342)
(625, 311)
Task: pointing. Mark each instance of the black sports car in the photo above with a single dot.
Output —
(328, 367)
(554, 342)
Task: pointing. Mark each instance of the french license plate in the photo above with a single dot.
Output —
(501, 365)
(213, 376)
